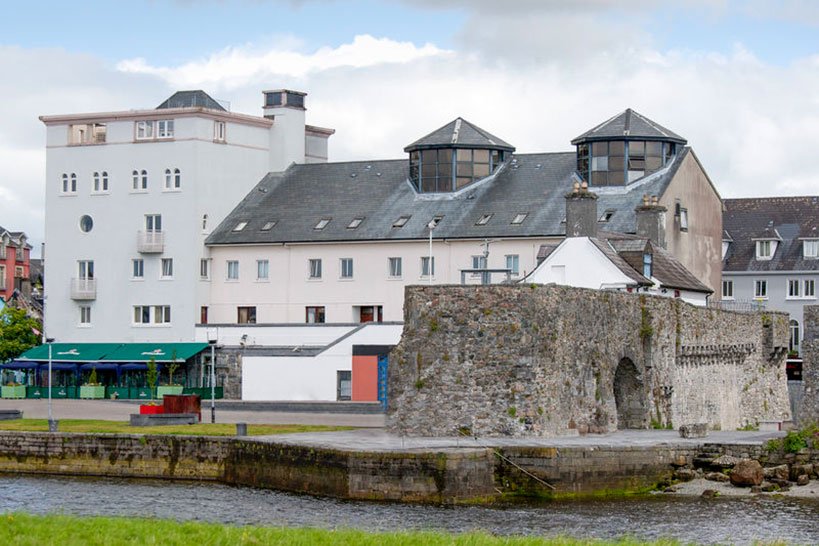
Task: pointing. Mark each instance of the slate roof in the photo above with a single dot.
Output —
(459, 133)
(792, 218)
(629, 125)
(379, 192)
(191, 99)
(621, 264)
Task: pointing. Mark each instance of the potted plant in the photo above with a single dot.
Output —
(92, 388)
(170, 387)
(13, 390)
(151, 375)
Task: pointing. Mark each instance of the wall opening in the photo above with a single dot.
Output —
(629, 396)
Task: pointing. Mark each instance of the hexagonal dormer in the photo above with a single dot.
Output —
(624, 149)
(455, 156)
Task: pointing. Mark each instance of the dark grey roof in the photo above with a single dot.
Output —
(191, 99)
(629, 125)
(459, 133)
(667, 270)
(792, 218)
(379, 192)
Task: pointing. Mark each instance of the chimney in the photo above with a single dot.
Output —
(287, 136)
(581, 211)
(651, 221)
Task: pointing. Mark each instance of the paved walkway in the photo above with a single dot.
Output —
(116, 410)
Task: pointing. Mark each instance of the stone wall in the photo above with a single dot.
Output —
(809, 408)
(552, 360)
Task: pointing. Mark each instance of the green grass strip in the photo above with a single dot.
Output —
(24, 530)
(118, 427)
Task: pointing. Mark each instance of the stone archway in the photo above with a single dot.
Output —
(629, 396)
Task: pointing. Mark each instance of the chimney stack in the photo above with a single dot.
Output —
(581, 211)
(651, 221)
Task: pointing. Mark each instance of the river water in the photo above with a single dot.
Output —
(706, 521)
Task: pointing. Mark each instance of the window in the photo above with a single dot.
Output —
(483, 220)
(85, 314)
(761, 289)
(395, 267)
(683, 219)
(65, 183)
(810, 249)
(262, 270)
(100, 182)
(153, 222)
(233, 270)
(2, 277)
(142, 314)
(728, 290)
(168, 179)
(164, 128)
(401, 222)
(240, 226)
(140, 180)
(322, 223)
(219, 131)
(167, 268)
(519, 218)
(69, 183)
(86, 223)
(203, 314)
(478, 262)
(793, 288)
(96, 183)
(246, 315)
(87, 133)
(606, 216)
(143, 175)
(370, 313)
(152, 314)
(85, 269)
(144, 130)
(513, 263)
(810, 289)
(204, 269)
(647, 263)
(315, 268)
(269, 225)
(162, 314)
(763, 250)
(793, 343)
(104, 180)
(173, 179)
(137, 268)
(427, 266)
(314, 315)
(346, 268)
(355, 223)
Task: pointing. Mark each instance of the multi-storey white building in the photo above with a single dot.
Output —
(131, 197)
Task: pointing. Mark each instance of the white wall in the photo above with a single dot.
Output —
(309, 378)
(577, 262)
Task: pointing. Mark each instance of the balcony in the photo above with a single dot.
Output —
(83, 289)
(151, 242)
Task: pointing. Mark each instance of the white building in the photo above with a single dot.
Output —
(131, 197)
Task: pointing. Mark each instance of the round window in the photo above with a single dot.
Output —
(86, 223)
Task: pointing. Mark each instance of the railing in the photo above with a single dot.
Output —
(738, 305)
(151, 242)
(485, 275)
(83, 289)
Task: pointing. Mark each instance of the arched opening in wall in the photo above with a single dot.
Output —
(629, 397)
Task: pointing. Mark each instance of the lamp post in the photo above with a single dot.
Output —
(431, 225)
(52, 425)
(213, 337)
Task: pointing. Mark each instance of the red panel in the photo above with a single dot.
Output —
(365, 378)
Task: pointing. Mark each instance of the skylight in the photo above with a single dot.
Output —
(483, 220)
(240, 226)
(435, 221)
(356, 222)
(401, 221)
(606, 216)
(322, 223)
(269, 225)
(519, 218)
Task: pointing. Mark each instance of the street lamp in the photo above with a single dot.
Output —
(52, 425)
(431, 225)
(213, 337)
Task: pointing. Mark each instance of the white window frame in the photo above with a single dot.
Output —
(683, 219)
(764, 250)
(219, 131)
(2, 277)
(515, 265)
(809, 289)
(164, 129)
(810, 249)
(166, 271)
(85, 315)
(95, 185)
(144, 130)
(204, 269)
(794, 289)
(428, 266)
(394, 267)
(263, 270)
(232, 270)
(137, 266)
(314, 269)
(153, 223)
(345, 268)
(727, 286)
(162, 314)
(139, 311)
(760, 289)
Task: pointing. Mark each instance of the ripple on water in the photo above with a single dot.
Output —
(724, 520)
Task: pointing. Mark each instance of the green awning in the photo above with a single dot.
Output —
(70, 352)
(161, 352)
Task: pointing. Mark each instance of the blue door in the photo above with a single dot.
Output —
(382, 380)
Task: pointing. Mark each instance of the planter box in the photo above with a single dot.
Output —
(139, 393)
(13, 392)
(168, 389)
(122, 392)
(36, 392)
(150, 410)
(92, 391)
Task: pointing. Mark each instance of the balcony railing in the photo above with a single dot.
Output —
(151, 242)
(83, 289)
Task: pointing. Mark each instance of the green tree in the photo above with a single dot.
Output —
(152, 375)
(18, 333)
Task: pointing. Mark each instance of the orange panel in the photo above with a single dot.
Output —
(365, 378)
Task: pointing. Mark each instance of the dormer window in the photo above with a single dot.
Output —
(810, 248)
(606, 216)
(647, 265)
(765, 249)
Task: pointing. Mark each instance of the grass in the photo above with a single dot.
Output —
(23, 529)
(118, 427)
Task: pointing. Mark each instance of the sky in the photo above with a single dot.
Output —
(738, 78)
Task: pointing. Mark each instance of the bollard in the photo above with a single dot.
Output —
(241, 429)
(52, 425)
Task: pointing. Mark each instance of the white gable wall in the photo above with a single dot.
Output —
(577, 262)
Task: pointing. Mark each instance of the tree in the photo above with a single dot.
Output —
(152, 375)
(18, 333)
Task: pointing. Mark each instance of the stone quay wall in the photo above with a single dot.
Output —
(543, 361)
(808, 411)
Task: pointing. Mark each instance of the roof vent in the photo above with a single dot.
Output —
(353, 175)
